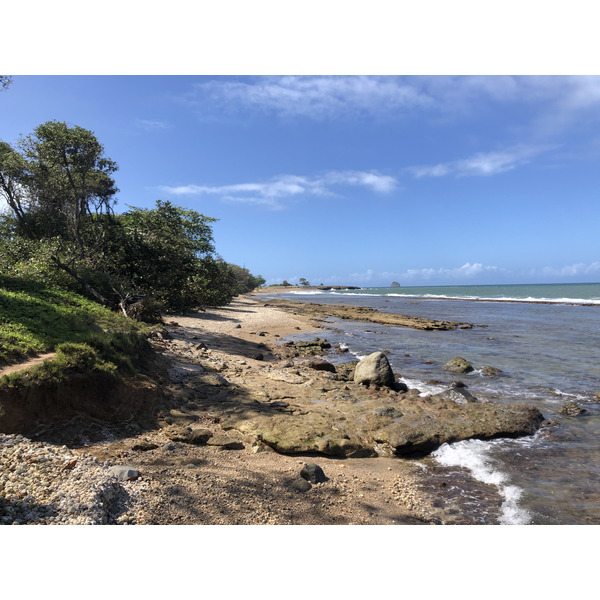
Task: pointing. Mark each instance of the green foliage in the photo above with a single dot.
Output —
(62, 232)
(68, 180)
(304, 282)
(246, 282)
(35, 318)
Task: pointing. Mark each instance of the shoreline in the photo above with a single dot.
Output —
(221, 371)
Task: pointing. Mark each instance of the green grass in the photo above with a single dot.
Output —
(86, 336)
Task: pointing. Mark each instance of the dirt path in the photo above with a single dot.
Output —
(28, 363)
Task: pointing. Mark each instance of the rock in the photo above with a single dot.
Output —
(388, 411)
(395, 284)
(177, 433)
(488, 371)
(124, 472)
(458, 365)
(144, 446)
(374, 369)
(225, 442)
(458, 384)
(168, 447)
(215, 380)
(318, 364)
(180, 373)
(400, 387)
(313, 473)
(345, 371)
(312, 348)
(300, 485)
(259, 356)
(178, 417)
(572, 409)
(238, 326)
(198, 437)
(459, 395)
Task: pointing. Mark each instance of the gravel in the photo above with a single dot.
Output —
(45, 484)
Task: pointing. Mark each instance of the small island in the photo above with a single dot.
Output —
(394, 284)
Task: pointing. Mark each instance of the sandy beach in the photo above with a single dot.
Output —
(203, 360)
(242, 412)
(255, 485)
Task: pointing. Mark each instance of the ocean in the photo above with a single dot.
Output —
(546, 341)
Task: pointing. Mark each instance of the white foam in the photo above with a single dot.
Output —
(529, 299)
(425, 389)
(567, 395)
(301, 293)
(474, 456)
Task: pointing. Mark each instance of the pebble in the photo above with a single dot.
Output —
(36, 488)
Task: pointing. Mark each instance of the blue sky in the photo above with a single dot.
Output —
(360, 180)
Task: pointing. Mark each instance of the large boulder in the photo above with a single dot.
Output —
(374, 369)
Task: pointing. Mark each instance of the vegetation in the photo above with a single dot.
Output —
(86, 336)
(62, 231)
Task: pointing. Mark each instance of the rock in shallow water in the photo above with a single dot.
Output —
(374, 369)
(458, 365)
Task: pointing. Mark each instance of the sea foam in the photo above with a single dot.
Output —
(474, 456)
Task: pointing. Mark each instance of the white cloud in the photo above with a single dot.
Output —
(574, 270)
(466, 271)
(483, 163)
(272, 193)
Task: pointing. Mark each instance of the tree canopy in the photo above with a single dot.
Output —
(62, 228)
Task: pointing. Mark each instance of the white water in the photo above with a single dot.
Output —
(474, 456)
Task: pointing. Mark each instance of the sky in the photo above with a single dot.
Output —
(353, 180)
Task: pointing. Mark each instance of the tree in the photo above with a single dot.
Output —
(246, 282)
(5, 81)
(68, 178)
(59, 186)
(304, 282)
(168, 252)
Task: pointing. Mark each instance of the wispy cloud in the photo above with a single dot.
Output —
(275, 192)
(317, 97)
(466, 271)
(574, 270)
(326, 97)
(482, 164)
(147, 125)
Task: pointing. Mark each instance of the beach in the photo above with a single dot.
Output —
(227, 481)
(254, 391)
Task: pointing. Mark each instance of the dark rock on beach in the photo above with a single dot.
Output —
(313, 473)
(318, 364)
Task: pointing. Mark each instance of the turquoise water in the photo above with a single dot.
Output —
(568, 293)
(546, 341)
